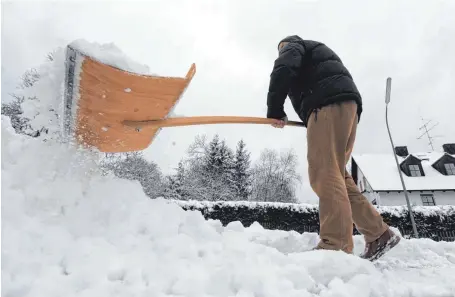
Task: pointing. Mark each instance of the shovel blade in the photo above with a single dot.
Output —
(99, 97)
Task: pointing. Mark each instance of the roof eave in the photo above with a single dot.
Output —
(415, 190)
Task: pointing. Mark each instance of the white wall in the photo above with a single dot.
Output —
(362, 182)
(394, 198)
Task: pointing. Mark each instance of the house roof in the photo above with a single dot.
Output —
(381, 172)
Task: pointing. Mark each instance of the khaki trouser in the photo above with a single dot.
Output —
(330, 135)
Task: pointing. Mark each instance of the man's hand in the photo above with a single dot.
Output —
(280, 123)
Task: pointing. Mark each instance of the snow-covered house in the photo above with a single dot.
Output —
(429, 177)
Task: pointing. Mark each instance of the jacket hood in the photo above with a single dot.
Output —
(290, 38)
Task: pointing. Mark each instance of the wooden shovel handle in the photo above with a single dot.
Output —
(204, 120)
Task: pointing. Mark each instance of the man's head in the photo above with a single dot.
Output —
(282, 44)
(286, 40)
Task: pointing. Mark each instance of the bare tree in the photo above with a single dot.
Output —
(275, 177)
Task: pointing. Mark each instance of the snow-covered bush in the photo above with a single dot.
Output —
(432, 221)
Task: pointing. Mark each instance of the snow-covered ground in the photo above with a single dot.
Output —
(68, 231)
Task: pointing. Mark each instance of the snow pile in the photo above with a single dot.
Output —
(43, 104)
(110, 54)
(69, 231)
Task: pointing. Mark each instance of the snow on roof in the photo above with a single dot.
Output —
(381, 172)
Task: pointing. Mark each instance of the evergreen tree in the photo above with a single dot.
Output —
(226, 161)
(227, 172)
(180, 182)
(241, 172)
(217, 171)
(170, 190)
(213, 162)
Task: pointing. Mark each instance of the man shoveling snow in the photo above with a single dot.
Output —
(326, 99)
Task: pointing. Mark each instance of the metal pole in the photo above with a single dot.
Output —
(387, 100)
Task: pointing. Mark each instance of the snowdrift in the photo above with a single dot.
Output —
(69, 231)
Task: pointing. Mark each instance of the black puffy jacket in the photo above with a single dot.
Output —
(312, 75)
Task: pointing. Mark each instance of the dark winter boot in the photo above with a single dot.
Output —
(376, 249)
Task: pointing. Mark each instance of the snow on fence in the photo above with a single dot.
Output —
(434, 222)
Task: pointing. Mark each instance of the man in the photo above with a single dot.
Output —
(325, 97)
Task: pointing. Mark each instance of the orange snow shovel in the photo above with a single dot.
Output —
(117, 111)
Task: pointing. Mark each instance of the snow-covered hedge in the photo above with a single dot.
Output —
(435, 222)
(432, 221)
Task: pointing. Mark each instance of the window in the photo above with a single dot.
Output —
(415, 170)
(427, 199)
(450, 168)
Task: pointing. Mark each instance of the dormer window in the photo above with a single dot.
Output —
(445, 165)
(412, 166)
(450, 168)
(415, 170)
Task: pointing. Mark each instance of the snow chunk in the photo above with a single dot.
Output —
(110, 54)
(236, 226)
(43, 103)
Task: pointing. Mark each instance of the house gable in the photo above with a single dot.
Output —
(359, 178)
(412, 166)
(445, 165)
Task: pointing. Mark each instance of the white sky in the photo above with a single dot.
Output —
(233, 44)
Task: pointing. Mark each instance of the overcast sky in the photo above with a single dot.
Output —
(234, 44)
